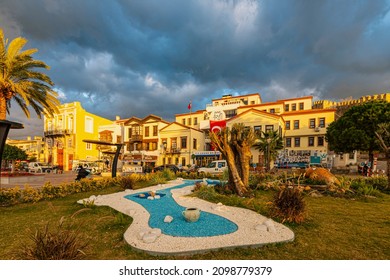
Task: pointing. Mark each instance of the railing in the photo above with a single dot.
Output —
(173, 151)
(57, 132)
(136, 138)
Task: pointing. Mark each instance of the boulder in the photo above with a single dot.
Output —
(319, 173)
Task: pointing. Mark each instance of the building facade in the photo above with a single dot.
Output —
(302, 127)
(143, 140)
(64, 134)
(34, 147)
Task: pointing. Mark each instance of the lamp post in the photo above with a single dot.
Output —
(5, 126)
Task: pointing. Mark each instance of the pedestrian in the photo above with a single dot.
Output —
(365, 169)
(82, 173)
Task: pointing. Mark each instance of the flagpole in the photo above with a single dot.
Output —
(190, 158)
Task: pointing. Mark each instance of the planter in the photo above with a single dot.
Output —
(22, 179)
(191, 214)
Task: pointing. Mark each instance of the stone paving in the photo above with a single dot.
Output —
(254, 230)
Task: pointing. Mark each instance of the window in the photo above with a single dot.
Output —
(130, 130)
(183, 161)
(146, 131)
(272, 111)
(322, 122)
(287, 107)
(230, 113)
(173, 143)
(89, 124)
(296, 124)
(297, 141)
(195, 144)
(320, 140)
(184, 121)
(293, 107)
(69, 143)
(287, 125)
(269, 128)
(257, 130)
(312, 123)
(189, 121)
(183, 142)
(311, 141)
(288, 142)
(155, 128)
(89, 146)
(351, 155)
(301, 106)
(195, 121)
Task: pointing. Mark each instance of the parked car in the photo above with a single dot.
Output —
(172, 167)
(214, 167)
(39, 167)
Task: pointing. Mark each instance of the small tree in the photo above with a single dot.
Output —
(383, 136)
(269, 143)
(12, 153)
(235, 145)
(356, 129)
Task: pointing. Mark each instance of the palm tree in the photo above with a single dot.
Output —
(269, 143)
(235, 145)
(21, 82)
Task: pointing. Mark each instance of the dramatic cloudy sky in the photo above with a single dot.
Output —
(134, 58)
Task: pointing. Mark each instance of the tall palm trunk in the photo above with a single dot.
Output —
(3, 108)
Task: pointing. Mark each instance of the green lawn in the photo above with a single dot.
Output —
(336, 228)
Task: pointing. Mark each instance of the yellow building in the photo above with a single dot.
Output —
(34, 148)
(302, 128)
(65, 132)
(179, 144)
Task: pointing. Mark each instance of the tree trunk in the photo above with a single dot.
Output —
(388, 168)
(3, 108)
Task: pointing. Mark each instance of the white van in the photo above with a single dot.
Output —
(214, 167)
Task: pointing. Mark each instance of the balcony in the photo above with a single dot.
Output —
(57, 132)
(172, 151)
(136, 138)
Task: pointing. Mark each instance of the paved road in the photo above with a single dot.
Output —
(54, 179)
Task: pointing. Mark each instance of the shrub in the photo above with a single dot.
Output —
(61, 244)
(127, 182)
(9, 196)
(289, 205)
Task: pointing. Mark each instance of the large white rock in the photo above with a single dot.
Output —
(156, 231)
(270, 225)
(168, 219)
(261, 227)
(149, 238)
(142, 233)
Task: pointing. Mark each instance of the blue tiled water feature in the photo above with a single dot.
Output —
(208, 224)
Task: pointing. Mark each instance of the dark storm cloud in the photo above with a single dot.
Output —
(140, 57)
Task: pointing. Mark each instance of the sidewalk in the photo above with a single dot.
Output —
(54, 179)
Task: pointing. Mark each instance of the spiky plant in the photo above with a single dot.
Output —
(60, 244)
(289, 205)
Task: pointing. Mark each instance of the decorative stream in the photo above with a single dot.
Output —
(208, 224)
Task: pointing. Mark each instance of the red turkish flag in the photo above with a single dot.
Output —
(217, 126)
(189, 105)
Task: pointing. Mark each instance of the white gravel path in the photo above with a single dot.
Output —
(253, 229)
